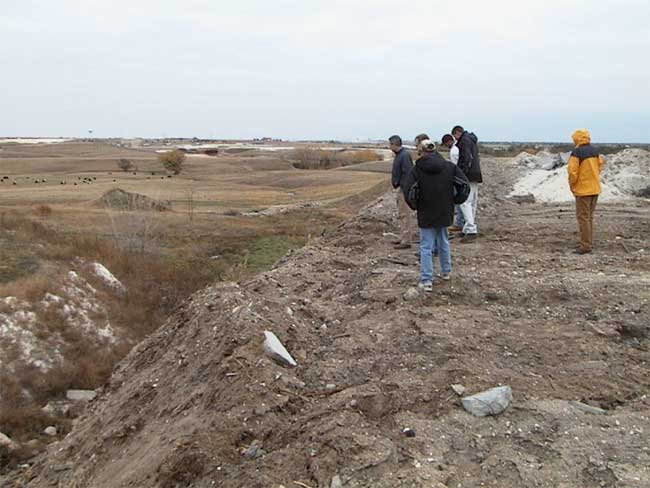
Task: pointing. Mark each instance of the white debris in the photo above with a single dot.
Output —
(22, 326)
(105, 275)
(625, 174)
(50, 299)
(276, 351)
(542, 160)
(51, 431)
(459, 389)
(80, 395)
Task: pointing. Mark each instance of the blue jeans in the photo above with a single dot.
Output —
(438, 237)
(460, 221)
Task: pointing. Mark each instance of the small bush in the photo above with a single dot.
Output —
(44, 211)
(172, 160)
(125, 164)
(314, 158)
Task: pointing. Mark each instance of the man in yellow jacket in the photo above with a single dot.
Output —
(585, 165)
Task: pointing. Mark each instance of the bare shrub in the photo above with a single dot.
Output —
(363, 156)
(31, 288)
(173, 160)
(314, 158)
(125, 164)
(44, 211)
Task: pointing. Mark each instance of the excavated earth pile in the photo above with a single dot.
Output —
(370, 403)
(118, 199)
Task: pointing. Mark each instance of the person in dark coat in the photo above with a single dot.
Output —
(469, 162)
(402, 166)
(435, 209)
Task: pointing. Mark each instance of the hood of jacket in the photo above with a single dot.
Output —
(473, 137)
(581, 137)
(432, 163)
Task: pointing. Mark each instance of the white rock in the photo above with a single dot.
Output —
(107, 277)
(276, 351)
(336, 482)
(489, 402)
(459, 389)
(51, 431)
(57, 408)
(80, 395)
(411, 294)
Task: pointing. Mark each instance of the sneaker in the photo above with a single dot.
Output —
(402, 245)
(446, 276)
(454, 228)
(426, 286)
(468, 238)
(582, 251)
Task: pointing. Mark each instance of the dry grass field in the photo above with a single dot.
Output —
(223, 225)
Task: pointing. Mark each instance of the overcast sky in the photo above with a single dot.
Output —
(355, 69)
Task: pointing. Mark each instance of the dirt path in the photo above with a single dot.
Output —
(198, 404)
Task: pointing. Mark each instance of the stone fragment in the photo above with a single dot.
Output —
(489, 402)
(80, 395)
(51, 431)
(587, 408)
(254, 451)
(459, 389)
(276, 351)
(408, 432)
(411, 294)
(336, 482)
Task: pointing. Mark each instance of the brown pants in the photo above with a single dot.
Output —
(406, 219)
(585, 207)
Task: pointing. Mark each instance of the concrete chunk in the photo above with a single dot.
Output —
(336, 482)
(587, 408)
(458, 389)
(80, 395)
(276, 351)
(489, 402)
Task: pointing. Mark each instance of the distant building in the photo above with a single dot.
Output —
(135, 142)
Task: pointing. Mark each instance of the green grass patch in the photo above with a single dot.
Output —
(263, 252)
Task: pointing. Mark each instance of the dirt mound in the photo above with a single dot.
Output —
(118, 199)
(200, 404)
(630, 171)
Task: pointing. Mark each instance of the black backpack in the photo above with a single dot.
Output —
(413, 196)
(461, 189)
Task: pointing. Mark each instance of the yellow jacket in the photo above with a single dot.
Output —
(585, 165)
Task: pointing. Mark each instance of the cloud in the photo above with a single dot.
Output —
(342, 69)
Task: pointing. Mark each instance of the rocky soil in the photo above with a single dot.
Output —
(370, 402)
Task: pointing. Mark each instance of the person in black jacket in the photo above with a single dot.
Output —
(435, 209)
(402, 166)
(469, 162)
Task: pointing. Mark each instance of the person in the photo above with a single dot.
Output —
(435, 207)
(584, 167)
(470, 163)
(402, 166)
(449, 142)
(418, 139)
